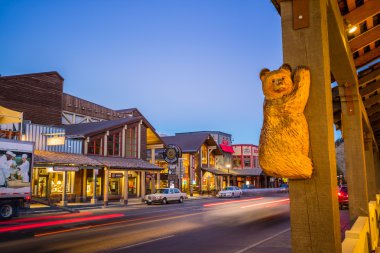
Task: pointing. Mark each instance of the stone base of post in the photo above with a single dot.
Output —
(105, 203)
(94, 201)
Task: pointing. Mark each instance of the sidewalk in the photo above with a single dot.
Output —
(75, 207)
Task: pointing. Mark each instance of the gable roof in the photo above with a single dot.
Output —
(86, 129)
(192, 142)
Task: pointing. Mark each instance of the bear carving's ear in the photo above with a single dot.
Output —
(263, 74)
(287, 67)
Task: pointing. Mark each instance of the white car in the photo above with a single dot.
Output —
(230, 192)
(165, 195)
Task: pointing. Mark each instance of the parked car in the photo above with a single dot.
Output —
(230, 192)
(165, 195)
(343, 196)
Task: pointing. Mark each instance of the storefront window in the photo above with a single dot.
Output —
(95, 146)
(90, 186)
(56, 182)
(131, 142)
(247, 161)
(236, 161)
(113, 144)
(212, 160)
(204, 154)
(114, 186)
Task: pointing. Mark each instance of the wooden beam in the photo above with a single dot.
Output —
(365, 38)
(370, 88)
(367, 57)
(373, 109)
(375, 117)
(358, 15)
(372, 101)
(369, 74)
(314, 210)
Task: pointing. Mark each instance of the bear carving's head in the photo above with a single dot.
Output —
(277, 83)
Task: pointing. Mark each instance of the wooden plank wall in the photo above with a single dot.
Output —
(83, 107)
(38, 95)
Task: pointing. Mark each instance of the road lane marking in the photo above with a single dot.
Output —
(262, 241)
(141, 243)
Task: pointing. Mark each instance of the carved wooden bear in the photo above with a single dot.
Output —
(284, 138)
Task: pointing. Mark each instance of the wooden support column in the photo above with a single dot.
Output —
(64, 201)
(353, 135)
(153, 182)
(142, 184)
(315, 224)
(191, 174)
(84, 185)
(370, 168)
(125, 188)
(94, 199)
(376, 159)
(158, 180)
(106, 186)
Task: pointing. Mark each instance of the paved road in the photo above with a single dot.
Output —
(250, 224)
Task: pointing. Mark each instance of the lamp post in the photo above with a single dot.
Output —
(228, 176)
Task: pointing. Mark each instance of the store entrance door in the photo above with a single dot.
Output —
(132, 186)
(42, 186)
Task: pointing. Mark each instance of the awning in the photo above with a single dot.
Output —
(8, 116)
(246, 172)
(226, 148)
(125, 163)
(51, 158)
(216, 171)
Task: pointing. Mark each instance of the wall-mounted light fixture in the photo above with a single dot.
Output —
(350, 28)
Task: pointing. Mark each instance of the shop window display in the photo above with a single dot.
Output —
(90, 186)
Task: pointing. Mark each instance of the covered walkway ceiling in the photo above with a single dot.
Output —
(365, 52)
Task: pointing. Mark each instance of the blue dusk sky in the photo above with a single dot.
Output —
(186, 65)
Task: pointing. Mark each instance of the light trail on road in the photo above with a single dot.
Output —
(40, 218)
(231, 202)
(265, 203)
(59, 222)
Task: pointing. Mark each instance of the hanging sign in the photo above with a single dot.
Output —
(56, 168)
(116, 175)
(172, 153)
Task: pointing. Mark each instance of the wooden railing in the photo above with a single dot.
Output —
(363, 237)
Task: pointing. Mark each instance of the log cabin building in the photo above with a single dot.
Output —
(112, 163)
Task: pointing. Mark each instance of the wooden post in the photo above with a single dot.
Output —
(315, 225)
(106, 186)
(94, 199)
(158, 180)
(376, 159)
(125, 188)
(370, 168)
(84, 186)
(353, 135)
(142, 185)
(64, 201)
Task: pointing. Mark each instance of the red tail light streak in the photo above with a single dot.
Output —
(59, 222)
